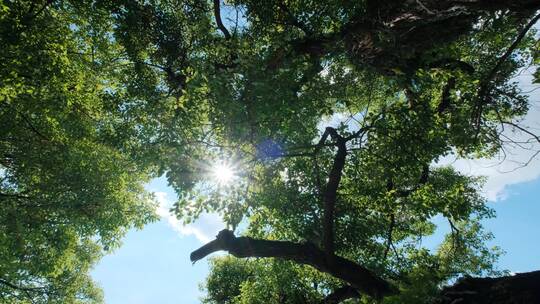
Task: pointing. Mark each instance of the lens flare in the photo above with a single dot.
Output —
(223, 173)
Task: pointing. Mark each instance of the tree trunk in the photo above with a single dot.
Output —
(522, 288)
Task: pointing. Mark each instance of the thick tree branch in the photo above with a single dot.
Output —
(354, 274)
(421, 181)
(445, 98)
(341, 294)
(442, 20)
(519, 288)
(330, 191)
(217, 14)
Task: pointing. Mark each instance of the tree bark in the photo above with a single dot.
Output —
(219, 23)
(522, 288)
(330, 192)
(359, 277)
(394, 34)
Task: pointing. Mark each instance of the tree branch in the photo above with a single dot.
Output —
(510, 50)
(14, 195)
(483, 91)
(292, 19)
(536, 137)
(29, 123)
(518, 288)
(34, 15)
(455, 234)
(354, 274)
(389, 236)
(341, 294)
(26, 290)
(330, 192)
(217, 14)
(445, 98)
(13, 286)
(421, 181)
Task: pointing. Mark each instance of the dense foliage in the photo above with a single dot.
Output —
(69, 184)
(96, 97)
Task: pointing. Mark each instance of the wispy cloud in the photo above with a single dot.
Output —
(499, 173)
(520, 162)
(204, 229)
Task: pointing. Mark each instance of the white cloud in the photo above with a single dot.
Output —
(204, 229)
(499, 174)
(519, 163)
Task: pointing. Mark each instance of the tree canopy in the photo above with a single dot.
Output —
(330, 115)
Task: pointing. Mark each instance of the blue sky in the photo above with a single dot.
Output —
(153, 264)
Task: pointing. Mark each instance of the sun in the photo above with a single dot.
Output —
(223, 173)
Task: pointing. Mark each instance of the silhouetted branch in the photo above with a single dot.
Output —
(484, 89)
(354, 274)
(330, 191)
(518, 288)
(217, 14)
